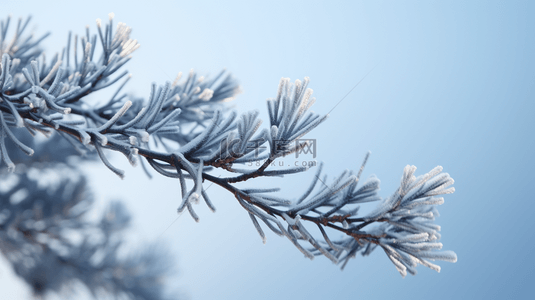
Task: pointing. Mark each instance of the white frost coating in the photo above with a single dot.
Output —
(306, 97)
(258, 228)
(290, 221)
(411, 193)
(99, 22)
(177, 79)
(198, 183)
(132, 157)
(133, 140)
(412, 238)
(448, 256)
(86, 138)
(274, 132)
(320, 198)
(135, 120)
(144, 136)
(194, 198)
(200, 139)
(51, 73)
(399, 266)
(425, 201)
(87, 51)
(422, 179)
(206, 94)
(103, 140)
(408, 171)
(371, 184)
(116, 116)
(197, 90)
(129, 47)
(422, 246)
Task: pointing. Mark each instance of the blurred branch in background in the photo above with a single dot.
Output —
(51, 244)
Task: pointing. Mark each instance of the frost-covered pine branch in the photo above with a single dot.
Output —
(185, 131)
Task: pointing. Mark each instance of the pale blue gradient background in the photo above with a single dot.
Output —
(453, 85)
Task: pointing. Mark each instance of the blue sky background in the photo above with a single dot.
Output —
(449, 84)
